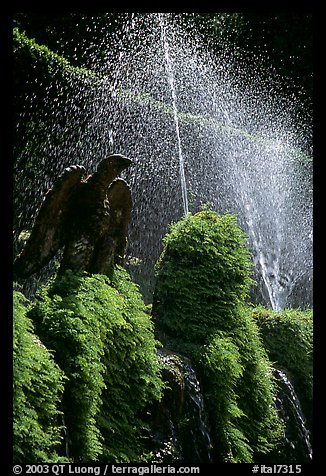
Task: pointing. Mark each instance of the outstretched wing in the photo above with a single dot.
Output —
(49, 230)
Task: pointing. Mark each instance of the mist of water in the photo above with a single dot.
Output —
(200, 128)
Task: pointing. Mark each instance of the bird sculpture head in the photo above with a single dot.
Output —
(113, 164)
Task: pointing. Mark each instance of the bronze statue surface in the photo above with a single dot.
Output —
(86, 215)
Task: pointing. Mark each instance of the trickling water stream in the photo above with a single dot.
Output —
(199, 430)
(182, 430)
(296, 434)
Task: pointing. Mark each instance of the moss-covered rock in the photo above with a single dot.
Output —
(203, 275)
(203, 280)
(104, 342)
(288, 338)
(37, 392)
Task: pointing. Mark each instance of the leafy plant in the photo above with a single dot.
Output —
(37, 393)
(203, 280)
(105, 344)
(204, 270)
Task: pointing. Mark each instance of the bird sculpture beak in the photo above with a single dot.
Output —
(118, 161)
(123, 161)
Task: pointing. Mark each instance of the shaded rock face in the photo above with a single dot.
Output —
(179, 426)
(87, 216)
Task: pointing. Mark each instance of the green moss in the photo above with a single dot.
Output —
(202, 276)
(40, 54)
(203, 280)
(38, 388)
(288, 338)
(105, 344)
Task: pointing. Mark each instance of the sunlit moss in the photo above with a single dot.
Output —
(103, 341)
(203, 278)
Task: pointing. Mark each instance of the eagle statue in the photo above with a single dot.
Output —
(85, 215)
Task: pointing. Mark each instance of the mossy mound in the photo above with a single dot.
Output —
(288, 338)
(103, 341)
(203, 280)
(38, 388)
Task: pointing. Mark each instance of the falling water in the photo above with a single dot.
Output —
(201, 437)
(296, 434)
(244, 147)
(187, 429)
(170, 78)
